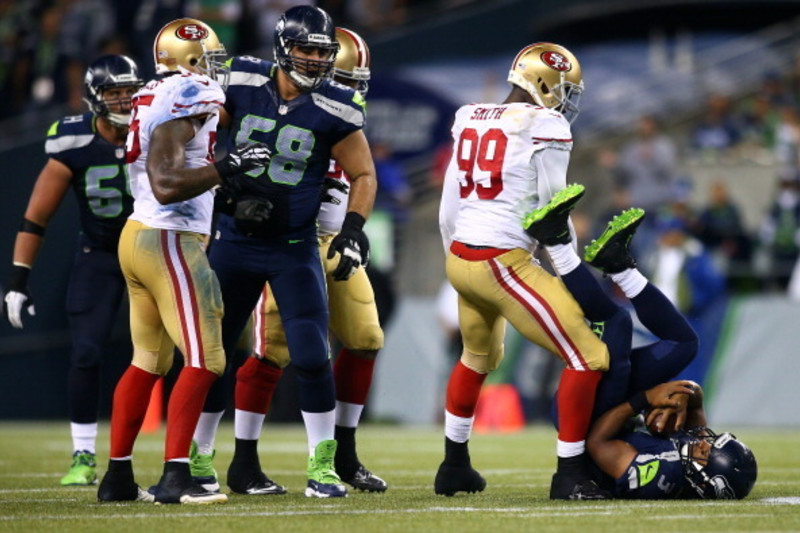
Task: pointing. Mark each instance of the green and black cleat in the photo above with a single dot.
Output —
(550, 224)
(610, 252)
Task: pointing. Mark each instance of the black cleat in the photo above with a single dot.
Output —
(252, 482)
(571, 487)
(118, 485)
(610, 252)
(550, 223)
(363, 479)
(177, 486)
(457, 478)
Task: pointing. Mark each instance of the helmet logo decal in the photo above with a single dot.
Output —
(556, 61)
(319, 38)
(191, 32)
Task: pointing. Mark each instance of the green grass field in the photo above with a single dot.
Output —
(517, 467)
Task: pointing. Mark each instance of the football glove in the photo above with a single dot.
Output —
(244, 158)
(18, 296)
(333, 183)
(353, 246)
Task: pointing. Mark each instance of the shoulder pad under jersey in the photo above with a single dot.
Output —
(68, 133)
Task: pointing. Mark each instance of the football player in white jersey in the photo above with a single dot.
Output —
(174, 295)
(509, 159)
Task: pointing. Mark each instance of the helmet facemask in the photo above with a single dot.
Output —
(308, 74)
(213, 64)
(727, 471)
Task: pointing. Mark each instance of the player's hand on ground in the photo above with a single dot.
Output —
(18, 296)
(330, 184)
(244, 158)
(353, 246)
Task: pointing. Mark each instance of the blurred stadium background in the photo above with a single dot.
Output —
(718, 82)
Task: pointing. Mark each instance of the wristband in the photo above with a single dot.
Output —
(18, 279)
(353, 220)
(28, 226)
(639, 402)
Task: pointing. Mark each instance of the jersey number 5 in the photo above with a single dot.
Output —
(487, 153)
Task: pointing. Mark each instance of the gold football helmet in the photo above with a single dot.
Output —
(193, 45)
(352, 61)
(551, 75)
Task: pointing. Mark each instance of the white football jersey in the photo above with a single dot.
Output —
(331, 216)
(508, 159)
(181, 95)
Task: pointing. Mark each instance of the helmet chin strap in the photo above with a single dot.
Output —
(119, 120)
(304, 82)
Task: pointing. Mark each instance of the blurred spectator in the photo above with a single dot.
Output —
(759, 121)
(780, 232)
(719, 227)
(717, 131)
(150, 16)
(683, 270)
(787, 142)
(394, 192)
(647, 165)
(37, 73)
(222, 15)
(17, 23)
(776, 90)
(264, 14)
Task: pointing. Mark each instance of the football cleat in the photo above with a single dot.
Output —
(118, 485)
(363, 479)
(610, 252)
(452, 478)
(82, 471)
(550, 223)
(323, 481)
(202, 469)
(254, 482)
(572, 487)
(177, 486)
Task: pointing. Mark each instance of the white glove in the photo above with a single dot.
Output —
(14, 301)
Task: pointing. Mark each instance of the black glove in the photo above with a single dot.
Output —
(353, 245)
(17, 296)
(252, 209)
(244, 158)
(333, 183)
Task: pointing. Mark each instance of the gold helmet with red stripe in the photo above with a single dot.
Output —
(192, 45)
(551, 75)
(352, 62)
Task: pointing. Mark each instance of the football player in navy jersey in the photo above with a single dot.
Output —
(670, 462)
(86, 153)
(306, 119)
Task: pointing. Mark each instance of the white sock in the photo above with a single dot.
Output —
(570, 449)
(457, 428)
(319, 427)
(564, 258)
(206, 431)
(348, 414)
(630, 281)
(247, 424)
(84, 436)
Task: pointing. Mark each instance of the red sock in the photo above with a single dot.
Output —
(131, 398)
(255, 385)
(183, 410)
(353, 377)
(576, 392)
(463, 390)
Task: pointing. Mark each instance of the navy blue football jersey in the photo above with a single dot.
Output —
(300, 133)
(656, 473)
(98, 177)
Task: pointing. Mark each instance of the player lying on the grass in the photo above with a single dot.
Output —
(643, 465)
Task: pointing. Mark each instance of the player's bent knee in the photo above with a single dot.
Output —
(151, 361)
(86, 356)
(215, 363)
(481, 363)
(276, 357)
(370, 338)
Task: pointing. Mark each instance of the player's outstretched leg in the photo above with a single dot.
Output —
(83, 469)
(118, 485)
(245, 475)
(610, 252)
(323, 481)
(177, 486)
(456, 474)
(549, 224)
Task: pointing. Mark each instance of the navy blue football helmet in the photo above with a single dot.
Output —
(109, 72)
(305, 27)
(729, 472)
